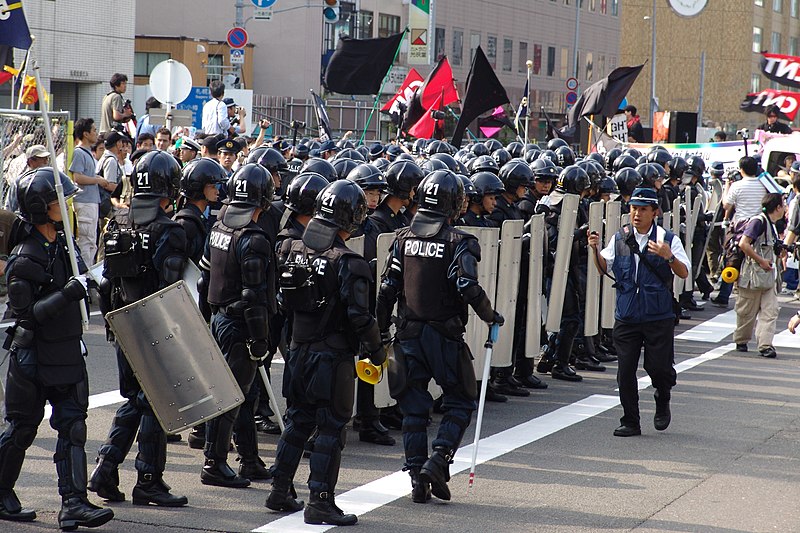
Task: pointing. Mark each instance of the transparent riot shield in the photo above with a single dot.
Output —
(533, 323)
(566, 227)
(507, 289)
(591, 320)
(612, 225)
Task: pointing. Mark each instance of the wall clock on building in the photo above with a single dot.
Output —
(688, 8)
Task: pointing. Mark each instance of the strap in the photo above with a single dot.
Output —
(635, 250)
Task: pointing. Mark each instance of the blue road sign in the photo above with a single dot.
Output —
(237, 38)
(264, 3)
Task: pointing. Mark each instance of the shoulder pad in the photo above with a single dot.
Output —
(357, 266)
(176, 237)
(25, 267)
(31, 249)
(473, 246)
(258, 243)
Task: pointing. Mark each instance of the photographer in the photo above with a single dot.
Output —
(758, 296)
(236, 116)
(114, 110)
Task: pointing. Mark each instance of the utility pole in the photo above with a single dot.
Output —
(237, 69)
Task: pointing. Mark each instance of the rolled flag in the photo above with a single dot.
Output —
(522, 110)
(325, 131)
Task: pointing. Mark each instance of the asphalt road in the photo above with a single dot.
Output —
(729, 462)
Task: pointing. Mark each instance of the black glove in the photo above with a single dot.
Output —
(498, 319)
(386, 338)
(257, 349)
(378, 356)
(75, 289)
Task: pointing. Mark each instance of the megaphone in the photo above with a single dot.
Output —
(368, 372)
(730, 274)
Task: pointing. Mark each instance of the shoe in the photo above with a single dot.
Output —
(197, 438)
(741, 347)
(691, 305)
(11, 509)
(531, 382)
(174, 438)
(492, 395)
(265, 425)
(253, 468)
(508, 386)
(420, 491)
(685, 315)
(392, 418)
(768, 352)
(544, 366)
(220, 474)
(565, 373)
(322, 509)
(589, 363)
(436, 472)
(627, 431)
(77, 511)
(283, 497)
(376, 433)
(663, 415)
(706, 296)
(150, 488)
(719, 303)
(105, 480)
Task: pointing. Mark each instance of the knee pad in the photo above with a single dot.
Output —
(24, 436)
(77, 434)
(415, 424)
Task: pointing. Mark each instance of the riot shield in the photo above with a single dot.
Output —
(609, 292)
(715, 197)
(385, 241)
(356, 244)
(475, 335)
(688, 283)
(592, 312)
(191, 275)
(508, 290)
(533, 323)
(677, 283)
(699, 221)
(176, 360)
(558, 288)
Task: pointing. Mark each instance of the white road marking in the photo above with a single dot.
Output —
(713, 330)
(385, 490)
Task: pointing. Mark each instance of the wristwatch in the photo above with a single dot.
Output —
(671, 259)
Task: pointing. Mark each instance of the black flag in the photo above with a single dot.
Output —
(358, 66)
(483, 92)
(325, 131)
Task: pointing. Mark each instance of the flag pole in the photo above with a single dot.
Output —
(529, 64)
(591, 130)
(380, 91)
(459, 118)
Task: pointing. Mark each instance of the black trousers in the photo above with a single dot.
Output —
(657, 338)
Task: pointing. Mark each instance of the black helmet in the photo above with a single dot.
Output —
(381, 163)
(544, 169)
(516, 149)
(556, 143)
(301, 151)
(610, 157)
(363, 150)
(480, 149)
(514, 174)
(486, 183)
(532, 155)
(608, 186)
(256, 153)
(595, 174)
(344, 167)
(341, 205)
(35, 190)
(650, 173)
(470, 191)
(392, 151)
(367, 176)
(677, 167)
(249, 188)
(402, 177)
(345, 144)
(448, 160)
(432, 165)
(659, 156)
(197, 174)
(573, 179)
(717, 169)
(376, 150)
(405, 157)
(532, 146)
(157, 175)
(501, 156)
(598, 158)
(549, 154)
(493, 145)
(437, 147)
(641, 160)
(565, 156)
(441, 193)
(633, 152)
(627, 180)
(419, 146)
(350, 153)
(696, 165)
(322, 167)
(273, 161)
(624, 161)
(301, 194)
(484, 163)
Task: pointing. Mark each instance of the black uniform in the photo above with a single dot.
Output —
(471, 219)
(194, 223)
(387, 221)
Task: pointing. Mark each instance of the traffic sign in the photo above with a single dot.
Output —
(264, 3)
(572, 84)
(170, 82)
(262, 13)
(237, 38)
(237, 56)
(572, 97)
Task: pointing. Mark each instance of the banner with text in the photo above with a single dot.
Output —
(420, 37)
(781, 68)
(786, 101)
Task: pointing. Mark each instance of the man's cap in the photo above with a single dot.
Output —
(630, 108)
(328, 145)
(228, 102)
(37, 150)
(229, 145)
(112, 139)
(212, 140)
(190, 144)
(643, 196)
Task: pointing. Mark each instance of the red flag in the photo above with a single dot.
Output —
(788, 102)
(410, 84)
(426, 126)
(439, 82)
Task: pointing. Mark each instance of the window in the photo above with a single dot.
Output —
(214, 69)
(508, 47)
(777, 6)
(564, 62)
(755, 83)
(566, 2)
(389, 25)
(601, 65)
(589, 66)
(474, 43)
(614, 7)
(551, 61)
(603, 7)
(537, 59)
(458, 46)
(145, 62)
(491, 50)
(575, 67)
(364, 25)
(440, 43)
(775, 47)
(792, 46)
(793, 8)
(592, 5)
(760, 3)
(756, 39)
(522, 59)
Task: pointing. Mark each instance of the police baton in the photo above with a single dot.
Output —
(272, 401)
(494, 330)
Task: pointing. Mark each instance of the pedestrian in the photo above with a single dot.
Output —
(773, 125)
(643, 258)
(215, 112)
(634, 123)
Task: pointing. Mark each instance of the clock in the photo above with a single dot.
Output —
(688, 8)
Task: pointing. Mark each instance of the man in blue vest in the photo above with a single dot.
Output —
(643, 258)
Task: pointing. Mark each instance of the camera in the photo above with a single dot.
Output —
(744, 133)
(779, 247)
(297, 125)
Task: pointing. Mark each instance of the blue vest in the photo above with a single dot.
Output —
(641, 295)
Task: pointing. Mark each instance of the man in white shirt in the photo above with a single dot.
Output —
(215, 112)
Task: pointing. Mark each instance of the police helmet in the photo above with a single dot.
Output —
(514, 174)
(392, 151)
(532, 146)
(633, 152)
(627, 179)
(594, 173)
(608, 186)
(432, 165)
(344, 167)
(437, 147)
(448, 160)
(480, 149)
(301, 194)
(549, 154)
(659, 157)
(641, 160)
(556, 143)
(273, 161)
(610, 157)
(441, 193)
(249, 188)
(36, 189)
(382, 163)
(341, 205)
(402, 177)
(256, 153)
(321, 166)
(677, 167)
(596, 157)
(486, 183)
(197, 174)
(516, 149)
(717, 169)
(650, 173)
(544, 169)
(565, 156)
(484, 163)
(350, 153)
(532, 155)
(502, 156)
(573, 180)
(624, 161)
(376, 150)
(301, 151)
(419, 146)
(157, 175)
(363, 150)
(404, 157)
(696, 166)
(367, 176)
(470, 191)
(493, 145)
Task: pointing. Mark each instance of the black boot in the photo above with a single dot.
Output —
(77, 511)
(322, 509)
(283, 497)
(547, 355)
(420, 491)
(392, 418)
(253, 468)
(219, 473)
(105, 480)
(375, 432)
(505, 384)
(197, 438)
(663, 415)
(150, 488)
(11, 508)
(492, 395)
(266, 425)
(588, 362)
(436, 472)
(565, 372)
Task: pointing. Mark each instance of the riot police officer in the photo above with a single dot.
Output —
(402, 179)
(430, 343)
(483, 201)
(154, 260)
(46, 360)
(235, 265)
(331, 318)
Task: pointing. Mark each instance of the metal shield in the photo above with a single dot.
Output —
(591, 322)
(558, 288)
(505, 302)
(385, 241)
(533, 322)
(677, 282)
(613, 210)
(688, 283)
(191, 275)
(699, 212)
(356, 244)
(176, 360)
